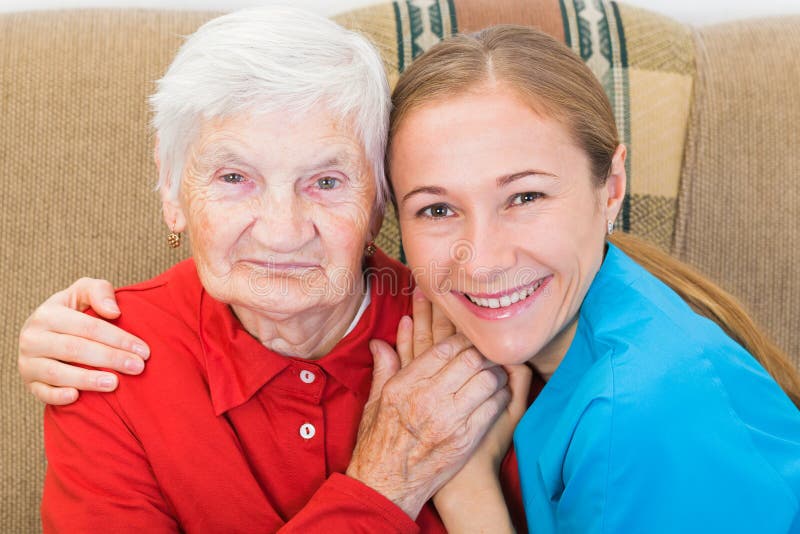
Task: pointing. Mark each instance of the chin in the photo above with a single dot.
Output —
(505, 348)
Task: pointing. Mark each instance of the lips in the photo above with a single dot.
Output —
(505, 300)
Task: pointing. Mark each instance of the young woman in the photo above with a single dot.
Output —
(508, 176)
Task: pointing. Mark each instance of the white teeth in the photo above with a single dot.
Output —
(505, 300)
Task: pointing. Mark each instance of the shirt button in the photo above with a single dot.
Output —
(307, 431)
(307, 376)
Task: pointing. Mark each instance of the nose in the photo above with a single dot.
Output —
(485, 251)
(283, 222)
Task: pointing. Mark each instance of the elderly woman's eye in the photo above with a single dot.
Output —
(328, 182)
(233, 178)
(525, 198)
(436, 211)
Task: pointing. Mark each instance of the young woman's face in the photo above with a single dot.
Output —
(503, 224)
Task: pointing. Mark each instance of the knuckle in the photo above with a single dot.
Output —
(91, 329)
(51, 372)
(72, 348)
(422, 338)
(472, 359)
(488, 380)
(444, 351)
(391, 392)
(22, 365)
(26, 339)
(83, 281)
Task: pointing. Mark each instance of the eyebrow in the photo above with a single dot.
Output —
(502, 181)
(220, 156)
(223, 156)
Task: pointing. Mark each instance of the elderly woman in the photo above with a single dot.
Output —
(637, 429)
(271, 126)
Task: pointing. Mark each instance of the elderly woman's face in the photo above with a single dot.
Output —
(278, 207)
(502, 222)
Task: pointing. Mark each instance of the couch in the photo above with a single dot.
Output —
(710, 115)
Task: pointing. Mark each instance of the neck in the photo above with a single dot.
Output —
(549, 358)
(311, 334)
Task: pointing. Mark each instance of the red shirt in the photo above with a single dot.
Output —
(219, 434)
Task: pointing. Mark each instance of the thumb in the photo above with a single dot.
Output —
(386, 362)
(95, 294)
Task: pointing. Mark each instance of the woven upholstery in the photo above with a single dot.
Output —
(739, 217)
(76, 155)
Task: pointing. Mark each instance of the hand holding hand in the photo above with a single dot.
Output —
(424, 418)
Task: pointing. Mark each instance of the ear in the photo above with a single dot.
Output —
(170, 205)
(616, 184)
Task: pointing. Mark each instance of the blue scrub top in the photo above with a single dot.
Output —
(656, 421)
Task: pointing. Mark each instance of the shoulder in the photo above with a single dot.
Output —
(173, 297)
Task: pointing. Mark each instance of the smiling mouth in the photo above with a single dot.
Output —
(509, 299)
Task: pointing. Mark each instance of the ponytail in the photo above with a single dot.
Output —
(711, 301)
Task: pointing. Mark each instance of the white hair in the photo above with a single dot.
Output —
(270, 59)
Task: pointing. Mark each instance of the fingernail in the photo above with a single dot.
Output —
(418, 294)
(110, 305)
(141, 350)
(133, 365)
(106, 382)
(69, 396)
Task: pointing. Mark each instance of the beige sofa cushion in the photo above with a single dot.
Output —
(739, 216)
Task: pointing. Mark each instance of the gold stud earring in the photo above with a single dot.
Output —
(610, 227)
(174, 239)
(370, 249)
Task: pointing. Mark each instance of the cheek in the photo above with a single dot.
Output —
(343, 230)
(214, 229)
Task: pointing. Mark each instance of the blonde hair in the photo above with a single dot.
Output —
(557, 84)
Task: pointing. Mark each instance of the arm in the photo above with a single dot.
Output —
(58, 331)
(473, 501)
(98, 477)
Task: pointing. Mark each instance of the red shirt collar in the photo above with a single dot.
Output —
(238, 365)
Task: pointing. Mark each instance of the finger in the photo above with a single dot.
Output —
(519, 382)
(405, 340)
(479, 389)
(433, 360)
(91, 293)
(68, 348)
(57, 374)
(55, 396)
(486, 413)
(421, 309)
(441, 325)
(386, 365)
(72, 323)
(461, 369)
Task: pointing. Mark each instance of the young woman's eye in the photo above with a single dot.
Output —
(328, 182)
(232, 178)
(436, 211)
(525, 198)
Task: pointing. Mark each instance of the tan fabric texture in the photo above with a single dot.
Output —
(739, 216)
(474, 15)
(77, 170)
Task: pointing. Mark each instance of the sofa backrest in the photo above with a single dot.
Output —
(709, 116)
